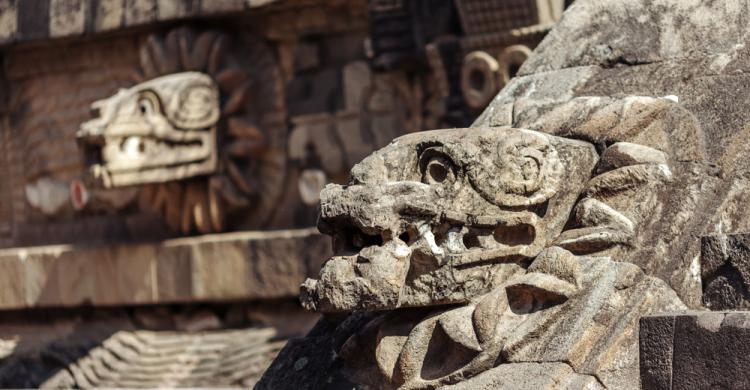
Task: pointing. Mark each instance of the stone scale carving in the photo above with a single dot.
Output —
(493, 256)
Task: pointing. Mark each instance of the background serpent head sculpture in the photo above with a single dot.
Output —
(160, 130)
(203, 134)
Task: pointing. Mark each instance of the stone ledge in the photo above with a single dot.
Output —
(27, 20)
(695, 350)
(223, 267)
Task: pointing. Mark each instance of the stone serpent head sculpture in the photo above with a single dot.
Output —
(201, 135)
(486, 250)
(148, 129)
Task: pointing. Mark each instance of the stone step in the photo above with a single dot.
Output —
(210, 268)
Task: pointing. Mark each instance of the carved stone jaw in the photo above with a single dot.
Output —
(542, 315)
(444, 216)
(162, 129)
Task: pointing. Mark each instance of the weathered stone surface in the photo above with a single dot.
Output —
(177, 346)
(725, 271)
(529, 376)
(70, 18)
(688, 80)
(695, 350)
(211, 268)
(647, 32)
(656, 346)
(67, 17)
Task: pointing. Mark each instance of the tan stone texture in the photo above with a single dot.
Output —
(213, 268)
(67, 17)
(8, 17)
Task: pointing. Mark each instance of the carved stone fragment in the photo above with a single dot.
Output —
(725, 271)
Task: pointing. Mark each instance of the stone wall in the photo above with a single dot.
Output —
(695, 350)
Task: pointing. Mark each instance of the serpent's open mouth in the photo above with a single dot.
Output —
(447, 241)
(375, 265)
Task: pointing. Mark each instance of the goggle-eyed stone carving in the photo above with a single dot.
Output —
(200, 140)
(160, 130)
(454, 208)
(494, 241)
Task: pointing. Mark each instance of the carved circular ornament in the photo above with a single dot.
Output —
(521, 170)
(510, 61)
(479, 79)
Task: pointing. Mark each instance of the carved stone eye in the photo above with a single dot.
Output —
(437, 168)
(148, 103)
(145, 106)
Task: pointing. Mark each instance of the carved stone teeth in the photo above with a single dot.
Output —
(425, 232)
(440, 239)
(454, 242)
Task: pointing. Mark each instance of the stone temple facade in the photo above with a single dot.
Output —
(161, 164)
(573, 237)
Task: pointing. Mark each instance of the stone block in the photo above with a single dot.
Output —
(136, 272)
(222, 6)
(11, 272)
(232, 266)
(695, 350)
(314, 137)
(168, 9)
(139, 11)
(109, 14)
(357, 79)
(75, 279)
(41, 282)
(219, 270)
(656, 351)
(8, 17)
(349, 128)
(174, 279)
(67, 17)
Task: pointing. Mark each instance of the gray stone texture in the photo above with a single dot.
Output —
(695, 350)
(688, 64)
(725, 271)
(173, 346)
